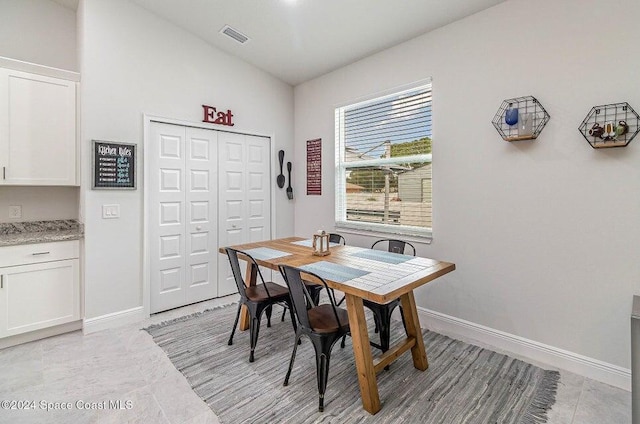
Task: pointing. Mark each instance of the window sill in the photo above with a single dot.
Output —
(427, 238)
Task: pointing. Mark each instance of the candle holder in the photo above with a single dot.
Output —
(321, 243)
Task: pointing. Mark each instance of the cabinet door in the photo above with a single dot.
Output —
(38, 296)
(37, 129)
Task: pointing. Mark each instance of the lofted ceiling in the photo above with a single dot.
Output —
(298, 40)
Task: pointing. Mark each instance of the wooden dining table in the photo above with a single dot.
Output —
(360, 274)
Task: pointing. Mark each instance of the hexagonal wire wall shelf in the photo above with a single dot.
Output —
(613, 125)
(521, 118)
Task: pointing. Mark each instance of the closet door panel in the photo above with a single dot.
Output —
(166, 157)
(245, 197)
(232, 203)
(201, 214)
(258, 194)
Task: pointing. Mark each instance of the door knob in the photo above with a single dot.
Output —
(198, 228)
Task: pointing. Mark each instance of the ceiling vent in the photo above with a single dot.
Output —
(235, 34)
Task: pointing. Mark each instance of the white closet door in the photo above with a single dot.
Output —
(182, 213)
(244, 198)
(166, 157)
(232, 210)
(202, 214)
(258, 175)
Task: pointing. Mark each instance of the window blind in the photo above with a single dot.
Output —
(383, 163)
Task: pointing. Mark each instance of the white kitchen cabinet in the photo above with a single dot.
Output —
(37, 129)
(43, 291)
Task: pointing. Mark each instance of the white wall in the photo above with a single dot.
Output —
(38, 31)
(544, 234)
(40, 203)
(133, 62)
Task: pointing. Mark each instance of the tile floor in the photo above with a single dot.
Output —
(125, 365)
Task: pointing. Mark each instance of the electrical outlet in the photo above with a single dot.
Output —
(15, 212)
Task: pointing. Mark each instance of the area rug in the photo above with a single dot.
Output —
(464, 383)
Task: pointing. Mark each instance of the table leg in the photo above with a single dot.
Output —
(250, 280)
(412, 324)
(362, 353)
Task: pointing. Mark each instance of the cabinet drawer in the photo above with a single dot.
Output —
(39, 252)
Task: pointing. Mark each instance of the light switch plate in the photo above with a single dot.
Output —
(15, 212)
(110, 211)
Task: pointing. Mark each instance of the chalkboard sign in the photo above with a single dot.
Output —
(114, 165)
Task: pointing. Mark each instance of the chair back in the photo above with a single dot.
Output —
(336, 238)
(300, 296)
(397, 246)
(237, 274)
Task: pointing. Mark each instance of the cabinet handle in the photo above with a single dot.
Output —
(1, 281)
(40, 253)
(4, 172)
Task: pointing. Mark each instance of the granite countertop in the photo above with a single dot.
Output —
(13, 233)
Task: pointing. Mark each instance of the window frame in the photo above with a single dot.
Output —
(424, 234)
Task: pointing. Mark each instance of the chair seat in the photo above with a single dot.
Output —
(258, 293)
(323, 320)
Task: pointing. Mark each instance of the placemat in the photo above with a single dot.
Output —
(334, 272)
(382, 256)
(265, 253)
(309, 243)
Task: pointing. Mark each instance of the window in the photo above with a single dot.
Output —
(383, 164)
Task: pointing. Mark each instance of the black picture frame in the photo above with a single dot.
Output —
(114, 165)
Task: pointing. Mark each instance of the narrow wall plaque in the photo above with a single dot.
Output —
(314, 167)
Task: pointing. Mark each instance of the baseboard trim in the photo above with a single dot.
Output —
(40, 334)
(128, 316)
(526, 349)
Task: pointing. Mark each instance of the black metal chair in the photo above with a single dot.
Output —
(314, 289)
(336, 238)
(314, 292)
(256, 298)
(382, 312)
(323, 324)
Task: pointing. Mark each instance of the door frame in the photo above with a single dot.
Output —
(146, 258)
